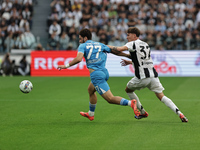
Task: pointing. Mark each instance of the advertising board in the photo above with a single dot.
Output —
(167, 63)
(46, 63)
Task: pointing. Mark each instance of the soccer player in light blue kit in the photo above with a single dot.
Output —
(95, 54)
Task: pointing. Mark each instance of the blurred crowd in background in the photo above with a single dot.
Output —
(16, 24)
(9, 67)
(164, 24)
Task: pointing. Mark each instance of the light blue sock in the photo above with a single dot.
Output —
(124, 102)
(92, 107)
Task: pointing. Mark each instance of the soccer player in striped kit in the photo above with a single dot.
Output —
(145, 73)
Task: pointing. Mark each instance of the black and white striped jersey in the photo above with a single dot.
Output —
(141, 58)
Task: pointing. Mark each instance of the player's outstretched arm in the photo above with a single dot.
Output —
(118, 51)
(75, 61)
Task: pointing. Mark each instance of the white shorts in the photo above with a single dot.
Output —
(152, 83)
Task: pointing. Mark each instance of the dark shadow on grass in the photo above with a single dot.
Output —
(125, 122)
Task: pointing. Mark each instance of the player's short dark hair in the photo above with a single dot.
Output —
(134, 30)
(86, 33)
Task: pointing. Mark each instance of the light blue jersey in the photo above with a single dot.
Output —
(95, 54)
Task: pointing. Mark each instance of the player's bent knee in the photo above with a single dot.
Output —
(128, 90)
(160, 95)
(91, 91)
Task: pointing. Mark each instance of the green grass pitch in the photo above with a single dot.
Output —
(48, 118)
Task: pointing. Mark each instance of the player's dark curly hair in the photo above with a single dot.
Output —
(134, 30)
(86, 33)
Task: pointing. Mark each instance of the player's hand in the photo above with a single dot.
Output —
(60, 67)
(129, 56)
(125, 62)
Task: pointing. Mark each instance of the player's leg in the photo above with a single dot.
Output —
(108, 96)
(99, 80)
(93, 99)
(92, 103)
(132, 85)
(157, 87)
(92, 94)
(96, 78)
(169, 103)
(131, 94)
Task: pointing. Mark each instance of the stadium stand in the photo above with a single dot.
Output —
(164, 24)
(16, 25)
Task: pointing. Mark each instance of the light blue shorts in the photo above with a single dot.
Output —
(99, 80)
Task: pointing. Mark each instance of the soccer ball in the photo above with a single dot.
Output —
(26, 86)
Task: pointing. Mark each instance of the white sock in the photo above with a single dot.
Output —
(91, 113)
(129, 103)
(168, 102)
(139, 105)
